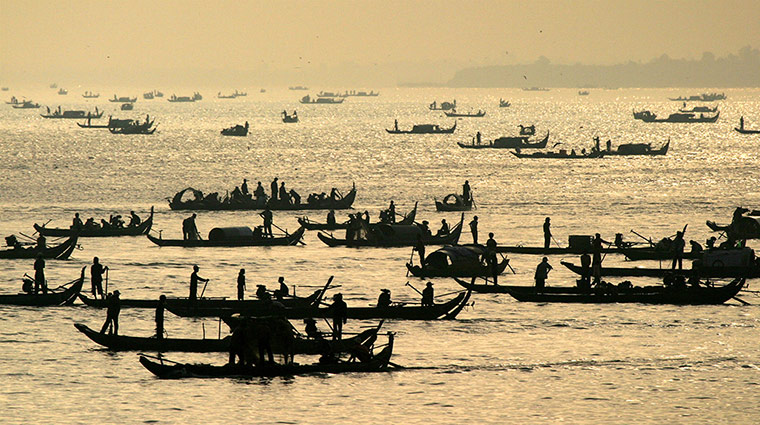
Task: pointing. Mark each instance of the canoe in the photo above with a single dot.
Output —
(562, 154)
(61, 251)
(509, 142)
(378, 363)
(680, 117)
(214, 307)
(425, 129)
(393, 235)
(638, 149)
(206, 204)
(705, 272)
(647, 295)
(253, 240)
(96, 232)
(465, 115)
(444, 311)
(64, 295)
(301, 344)
(73, 115)
(314, 225)
(745, 131)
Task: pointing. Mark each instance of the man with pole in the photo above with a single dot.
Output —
(96, 277)
(194, 279)
(547, 233)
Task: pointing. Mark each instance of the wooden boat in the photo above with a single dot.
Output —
(504, 103)
(536, 250)
(237, 130)
(233, 237)
(61, 251)
(455, 114)
(97, 232)
(289, 118)
(534, 88)
(742, 226)
(63, 295)
(509, 142)
(135, 127)
(123, 99)
(425, 129)
(454, 202)
(213, 203)
(90, 95)
(697, 109)
(443, 106)
(705, 272)
(561, 154)
(313, 225)
(680, 117)
(112, 123)
(704, 97)
(148, 95)
(583, 93)
(27, 104)
(328, 94)
(739, 129)
(58, 114)
(655, 253)
(175, 99)
(456, 261)
(392, 235)
(127, 107)
(377, 363)
(300, 344)
(444, 311)
(62, 91)
(634, 149)
(321, 100)
(354, 93)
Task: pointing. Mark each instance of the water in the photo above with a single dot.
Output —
(501, 362)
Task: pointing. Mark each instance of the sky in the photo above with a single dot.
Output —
(195, 40)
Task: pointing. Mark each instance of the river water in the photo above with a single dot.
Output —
(500, 362)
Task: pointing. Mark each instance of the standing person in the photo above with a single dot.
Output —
(96, 277)
(39, 275)
(596, 262)
(112, 313)
(284, 193)
(428, 295)
(267, 216)
(392, 212)
(189, 229)
(678, 246)
(273, 186)
(542, 273)
(474, 229)
(241, 285)
(466, 193)
(331, 217)
(491, 258)
(194, 279)
(339, 311)
(420, 248)
(244, 187)
(547, 233)
(160, 316)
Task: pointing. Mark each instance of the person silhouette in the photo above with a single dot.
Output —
(241, 285)
(112, 313)
(96, 277)
(160, 316)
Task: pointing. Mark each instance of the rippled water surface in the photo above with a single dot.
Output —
(500, 362)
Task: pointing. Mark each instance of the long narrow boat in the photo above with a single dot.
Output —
(455, 114)
(681, 117)
(61, 251)
(536, 250)
(250, 238)
(646, 295)
(301, 345)
(708, 272)
(453, 202)
(634, 149)
(97, 232)
(63, 296)
(125, 302)
(561, 154)
(393, 235)
(649, 253)
(378, 363)
(740, 130)
(424, 129)
(508, 142)
(213, 203)
(73, 115)
(313, 225)
(456, 261)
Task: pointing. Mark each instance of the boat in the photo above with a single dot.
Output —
(509, 142)
(135, 127)
(74, 114)
(298, 88)
(328, 94)
(14, 101)
(454, 202)
(424, 129)
(456, 261)
(148, 95)
(561, 154)
(443, 311)
(742, 226)
(112, 123)
(534, 88)
(205, 307)
(704, 272)
(54, 85)
(63, 295)
(740, 129)
(61, 251)
(454, 113)
(127, 107)
(655, 253)
(98, 232)
(233, 237)
(212, 202)
(90, 95)
(27, 104)
(704, 97)
(634, 149)
(4, 88)
(125, 302)
(123, 99)
(680, 117)
(504, 103)
(63, 91)
(289, 118)
(234, 95)
(583, 93)
(700, 109)
(321, 100)
(196, 96)
(443, 106)
(391, 235)
(659, 294)
(354, 93)
(536, 250)
(236, 130)
(375, 363)
(313, 225)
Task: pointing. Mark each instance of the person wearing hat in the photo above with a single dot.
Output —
(384, 300)
(474, 229)
(112, 313)
(194, 279)
(311, 328)
(427, 295)
(339, 311)
(261, 292)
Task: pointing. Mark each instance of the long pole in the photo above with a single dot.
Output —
(415, 289)
(204, 288)
(555, 241)
(104, 294)
(411, 257)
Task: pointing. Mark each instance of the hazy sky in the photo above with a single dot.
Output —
(45, 38)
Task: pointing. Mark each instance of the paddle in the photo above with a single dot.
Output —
(741, 300)
(555, 241)
(411, 257)
(104, 294)
(204, 288)
(508, 265)
(415, 289)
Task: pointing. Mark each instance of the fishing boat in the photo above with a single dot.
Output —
(504, 103)
(424, 129)
(63, 295)
(456, 261)
(135, 127)
(699, 109)
(195, 97)
(443, 106)
(740, 129)
(123, 99)
(704, 97)
(289, 118)
(534, 88)
(61, 251)
(328, 94)
(127, 106)
(454, 202)
(637, 149)
(354, 93)
(27, 104)
(313, 225)
(63, 92)
(212, 202)
(391, 235)
(679, 117)
(321, 100)
(14, 101)
(298, 88)
(236, 130)
(90, 95)
(148, 95)
(375, 363)
(112, 123)
(655, 253)
(509, 142)
(99, 231)
(714, 272)
(742, 226)
(583, 93)
(233, 95)
(456, 114)
(536, 250)
(233, 237)
(561, 154)
(73, 114)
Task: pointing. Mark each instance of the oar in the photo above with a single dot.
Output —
(508, 265)
(642, 237)
(204, 288)
(104, 294)
(555, 241)
(449, 293)
(415, 289)
(741, 300)
(411, 257)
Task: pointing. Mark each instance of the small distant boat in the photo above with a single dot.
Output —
(454, 113)
(740, 129)
(234, 95)
(328, 94)
(90, 95)
(65, 295)
(456, 261)
(680, 117)
(504, 103)
(27, 104)
(321, 100)
(561, 154)
(63, 92)
(4, 88)
(704, 97)
(136, 127)
(14, 101)
(534, 88)
(443, 106)
(61, 251)
(112, 123)
(510, 142)
(196, 96)
(298, 88)
(289, 118)
(453, 202)
(700, 109)
(360, 94)
(54, 86)
(148, 95)
(262, 90)
(123, 99)
(59, 114)
(127, 106)
(633, 149)
(583, 93)
(424, 129)
(236, 130)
